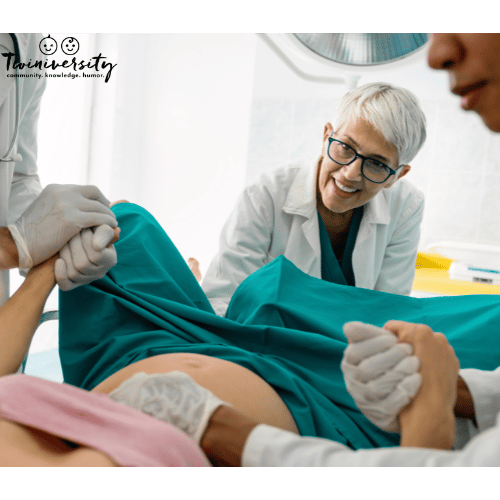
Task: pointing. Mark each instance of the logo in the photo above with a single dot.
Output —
(48, 67)
(48, 45)
(70, 46)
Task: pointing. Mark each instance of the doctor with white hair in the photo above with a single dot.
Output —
(348, 217)
(420, 393)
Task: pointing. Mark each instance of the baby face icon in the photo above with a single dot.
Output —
(70, 46)
(47, 45)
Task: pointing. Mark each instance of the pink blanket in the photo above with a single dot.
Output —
(127, 436)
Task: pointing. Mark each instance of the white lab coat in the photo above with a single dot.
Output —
(278, 216)
(271, 447)
(19, 182)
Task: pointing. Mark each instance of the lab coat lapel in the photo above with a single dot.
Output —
(303, 243)
(365, 254)
(376, 211)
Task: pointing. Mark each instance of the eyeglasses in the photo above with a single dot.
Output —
(371, 169)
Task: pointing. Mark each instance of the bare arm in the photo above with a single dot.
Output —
(20, 315)
(9, 257)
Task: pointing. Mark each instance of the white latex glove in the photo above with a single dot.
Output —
(380, 374)
(60, 212)
(85, 258)
(172, 397)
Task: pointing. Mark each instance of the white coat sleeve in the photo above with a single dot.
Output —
(243, 247)
(26, 185)
(271, 447)
(484, 387)
(398, 266)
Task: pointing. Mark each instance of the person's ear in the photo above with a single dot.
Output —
(404, 170)
(327, 132)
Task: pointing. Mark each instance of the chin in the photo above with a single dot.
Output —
(491, 117)
(492, 122)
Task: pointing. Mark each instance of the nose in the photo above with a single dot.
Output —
(444, 51)
(352, 172)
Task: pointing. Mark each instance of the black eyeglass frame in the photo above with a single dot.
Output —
(363, 158)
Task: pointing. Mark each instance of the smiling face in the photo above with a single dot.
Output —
(473, 64)
(342, 187)
(48, 45)
(70, 46)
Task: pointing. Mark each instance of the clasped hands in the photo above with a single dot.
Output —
(74, 221)
(387, 369)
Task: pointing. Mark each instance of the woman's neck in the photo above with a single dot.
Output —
(335, 223)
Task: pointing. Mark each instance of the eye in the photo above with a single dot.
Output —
(375, 164)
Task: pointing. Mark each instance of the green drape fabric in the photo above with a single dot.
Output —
(281, 323)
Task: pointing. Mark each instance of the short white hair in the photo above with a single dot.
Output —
(393, 111)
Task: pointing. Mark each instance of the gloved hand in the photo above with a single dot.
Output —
(60, 212)
(380, 374)
(172, 397)
(85, 258)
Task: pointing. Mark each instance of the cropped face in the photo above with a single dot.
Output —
(70, 46)
(472, 61)
(48, 45)
(342, 187)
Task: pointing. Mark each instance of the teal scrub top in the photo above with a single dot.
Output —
(332, 270)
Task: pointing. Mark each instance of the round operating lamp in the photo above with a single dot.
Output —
(363, 49)
(346, 56)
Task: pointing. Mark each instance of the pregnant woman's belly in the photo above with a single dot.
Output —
(246, 391)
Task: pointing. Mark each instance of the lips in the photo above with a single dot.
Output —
(339, 189)
(470, 94)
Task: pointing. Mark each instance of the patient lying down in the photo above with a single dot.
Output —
(38, 441)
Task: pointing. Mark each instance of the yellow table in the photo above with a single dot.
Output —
(432, 276)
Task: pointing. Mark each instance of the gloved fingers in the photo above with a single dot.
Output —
(85, 261)
(83, 264)
(61, 275)
(66, 255)
(78, 253)
(89, 213)
(103, 235)
(173, 397)
(374, 366)
(381, 387)
(374, 391)
(358, 351)
(127, 392)
(408, 365)
(411, 384)
(93, 193)
(356, 331)
(401, 396)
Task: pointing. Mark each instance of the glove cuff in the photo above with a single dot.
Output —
(212, 403)
(25, 260)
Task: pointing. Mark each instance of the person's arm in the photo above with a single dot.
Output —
(9, 257)
(479, 397)
(225, 437)
(25, 185)
(20, 315)
(464, 406)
